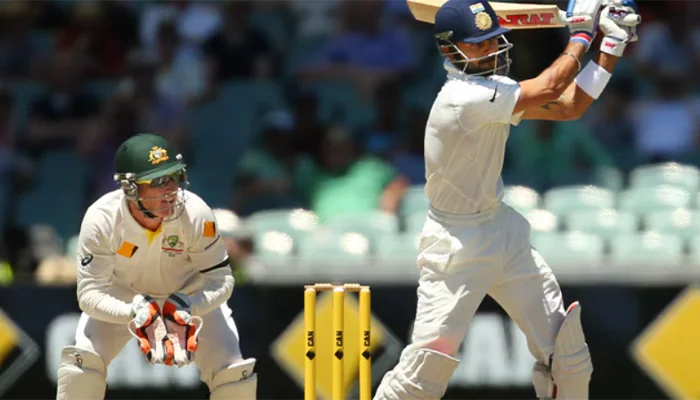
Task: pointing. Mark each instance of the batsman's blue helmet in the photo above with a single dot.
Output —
(469, 21)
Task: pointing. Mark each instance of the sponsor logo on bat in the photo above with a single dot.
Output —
(527, 19)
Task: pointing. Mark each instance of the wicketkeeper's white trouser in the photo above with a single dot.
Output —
(218, 341)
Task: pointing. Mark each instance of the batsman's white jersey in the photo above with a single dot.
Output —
(118, 258)
(472, 243)
(465, 141)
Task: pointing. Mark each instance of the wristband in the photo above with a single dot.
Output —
(593, 79)
(584, 38)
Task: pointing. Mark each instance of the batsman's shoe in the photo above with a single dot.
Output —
(148, 327)
(183, 329)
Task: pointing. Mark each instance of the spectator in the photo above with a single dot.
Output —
(63, 115)
(269, 176)
(180, 71)
(309, 129)
(92, 38)
(409, 158)
(138, 106)
(14, 167)
(156, 110)
(196, 21)
(667, 126)
(381, 138)
(673, 39)
(315, 18)
(238, 50)
(548, 153)
(91, 35)
(610, 122)
(48, 16)
(347, 181)
(18, 52)
(364, 53)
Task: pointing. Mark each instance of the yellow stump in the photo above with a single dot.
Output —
(338, 387)
(310, 347)
(365, 376)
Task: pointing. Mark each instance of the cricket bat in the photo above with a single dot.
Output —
(510, 15)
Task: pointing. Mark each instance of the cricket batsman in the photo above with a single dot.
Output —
(472, 244)
(152, 265)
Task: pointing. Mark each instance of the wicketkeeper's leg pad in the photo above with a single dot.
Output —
(235, 382)
(422, 374)
(571, 362)
(81, 375)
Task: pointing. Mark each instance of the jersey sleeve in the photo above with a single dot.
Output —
(98, 297)
(489, 102)
(208, 256)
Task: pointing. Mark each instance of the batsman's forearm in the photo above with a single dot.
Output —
(607, 61)
(564, 69)
(214, 293)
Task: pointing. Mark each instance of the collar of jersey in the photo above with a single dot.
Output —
(131, 225)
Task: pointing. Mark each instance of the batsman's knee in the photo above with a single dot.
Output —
(235, 382)
(82, 374)
(420, 374)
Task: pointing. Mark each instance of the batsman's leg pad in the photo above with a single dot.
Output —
(81, 375)
(423, 374)
(542, 381)
(571, 362)
(235, 382)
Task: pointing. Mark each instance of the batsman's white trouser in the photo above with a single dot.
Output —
(218, 341)
(462, 259)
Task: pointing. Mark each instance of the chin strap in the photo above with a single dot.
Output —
(145, 211)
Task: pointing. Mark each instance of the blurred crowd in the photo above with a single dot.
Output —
(104, 70)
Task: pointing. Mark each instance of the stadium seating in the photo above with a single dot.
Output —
(647, 248)
(567, 199)
(521, 198)
(605, 223)
(562, 249)
(331, 249)
(542, 221)
(694, 251)
(684, 176)
(56, 198)
(401, 248)
(682, 222)
(294, 223)
(370, 224)
(414, 222)
(644, 200)
(414, 200)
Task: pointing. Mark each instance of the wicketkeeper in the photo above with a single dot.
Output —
(152, 266)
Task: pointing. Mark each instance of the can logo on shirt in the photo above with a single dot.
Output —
(172, 245)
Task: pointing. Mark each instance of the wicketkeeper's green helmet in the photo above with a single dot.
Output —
(149, 159)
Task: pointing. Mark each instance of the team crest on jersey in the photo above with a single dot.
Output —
(172, 245)
(157, 155)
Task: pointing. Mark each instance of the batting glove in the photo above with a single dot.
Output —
(183, 329)
(582, 18)
(148, 327)
(619, 21)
